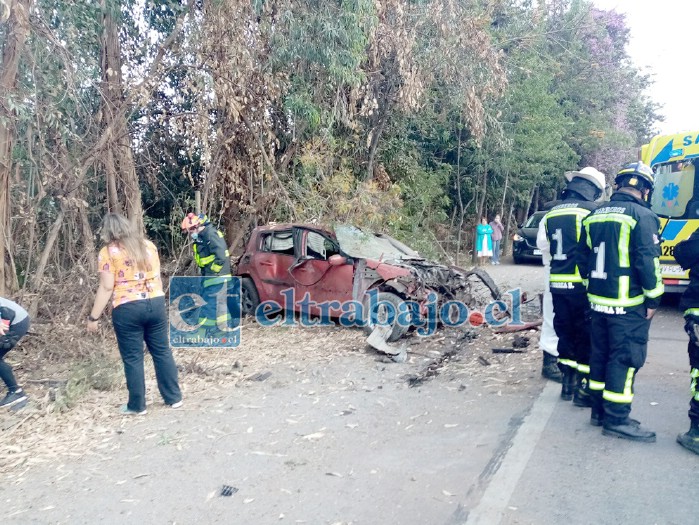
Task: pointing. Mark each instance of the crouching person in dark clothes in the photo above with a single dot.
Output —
(14, 324)
(687, 255)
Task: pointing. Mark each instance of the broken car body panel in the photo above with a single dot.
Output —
(343, 262)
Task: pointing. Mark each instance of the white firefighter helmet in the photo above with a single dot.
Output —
(589, 173)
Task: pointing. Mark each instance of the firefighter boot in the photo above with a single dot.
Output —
(581, 395)
(628, 429)
(690, 440)
(597, 413)
(568, 383)
(596, 416)
(549, 368)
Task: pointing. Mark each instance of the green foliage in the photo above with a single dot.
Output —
(408, 116)
(95, 373)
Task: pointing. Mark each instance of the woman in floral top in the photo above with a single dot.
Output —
(130, 275)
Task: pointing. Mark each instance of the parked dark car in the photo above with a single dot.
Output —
(524, 241)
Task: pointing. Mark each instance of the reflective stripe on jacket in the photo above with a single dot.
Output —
(211, 253)
(563, 225)
(621, 254)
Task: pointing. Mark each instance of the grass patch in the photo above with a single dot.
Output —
(94, 373)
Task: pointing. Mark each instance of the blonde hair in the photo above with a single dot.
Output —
(118, 230)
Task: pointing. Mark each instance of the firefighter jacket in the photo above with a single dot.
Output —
(687, 255)
(211, 254)
(620, 257)
(563, 224)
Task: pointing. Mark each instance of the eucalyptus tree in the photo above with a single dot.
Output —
(601, 90)
(14, 30)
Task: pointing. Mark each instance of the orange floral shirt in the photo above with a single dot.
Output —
(130, 284)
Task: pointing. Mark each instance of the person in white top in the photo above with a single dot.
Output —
(14, 324)
(548, 342)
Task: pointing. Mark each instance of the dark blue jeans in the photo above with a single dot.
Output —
(7, 343)
(496, 251)
(135, 322)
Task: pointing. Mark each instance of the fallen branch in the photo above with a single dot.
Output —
(510, 328)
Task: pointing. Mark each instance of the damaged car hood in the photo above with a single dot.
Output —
(413, 274)
(360, 244)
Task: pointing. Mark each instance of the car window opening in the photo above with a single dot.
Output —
(279, 242)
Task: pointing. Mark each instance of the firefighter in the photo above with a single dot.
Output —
(212, 258)
(548, 341)
(563, 225)
(687, 255)
(620, 259)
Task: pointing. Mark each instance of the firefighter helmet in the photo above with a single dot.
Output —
(192, 220)
(636, 175)
(590, 174)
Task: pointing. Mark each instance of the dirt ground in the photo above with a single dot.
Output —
(299, 425)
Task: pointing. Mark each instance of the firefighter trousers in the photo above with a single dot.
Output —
(619, 347)
(214, 312)
(571, 322)
(693, 351)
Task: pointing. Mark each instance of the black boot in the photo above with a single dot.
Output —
(596, 416)
(690, 440)
(629, 429)
(581, 395)
(568, 384)
(549, 368)
(597, 413)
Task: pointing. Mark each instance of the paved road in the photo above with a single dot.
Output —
(559, 469)
(345, 440)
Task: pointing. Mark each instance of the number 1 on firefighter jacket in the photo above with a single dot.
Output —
(621, 256)
(563, 225)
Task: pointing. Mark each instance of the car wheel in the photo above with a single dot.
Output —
(249, 298)
(517, 259)
(397, 330)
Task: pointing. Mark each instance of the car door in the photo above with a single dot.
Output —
(314, 274)
(275, 254)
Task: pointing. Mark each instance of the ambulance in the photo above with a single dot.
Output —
(674, 159)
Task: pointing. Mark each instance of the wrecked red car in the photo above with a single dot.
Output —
(342, 263)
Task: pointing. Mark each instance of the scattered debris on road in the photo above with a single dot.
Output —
(228, 490)
(260, 376)
(378, 339)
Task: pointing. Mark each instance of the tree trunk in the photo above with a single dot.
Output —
(120, 163)
(38, 276)
(16, 35)
(88, 240)
(375, 137)
(113, 204)
(533, 198)
(459, 196)
(506, 240)
(504, 194)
